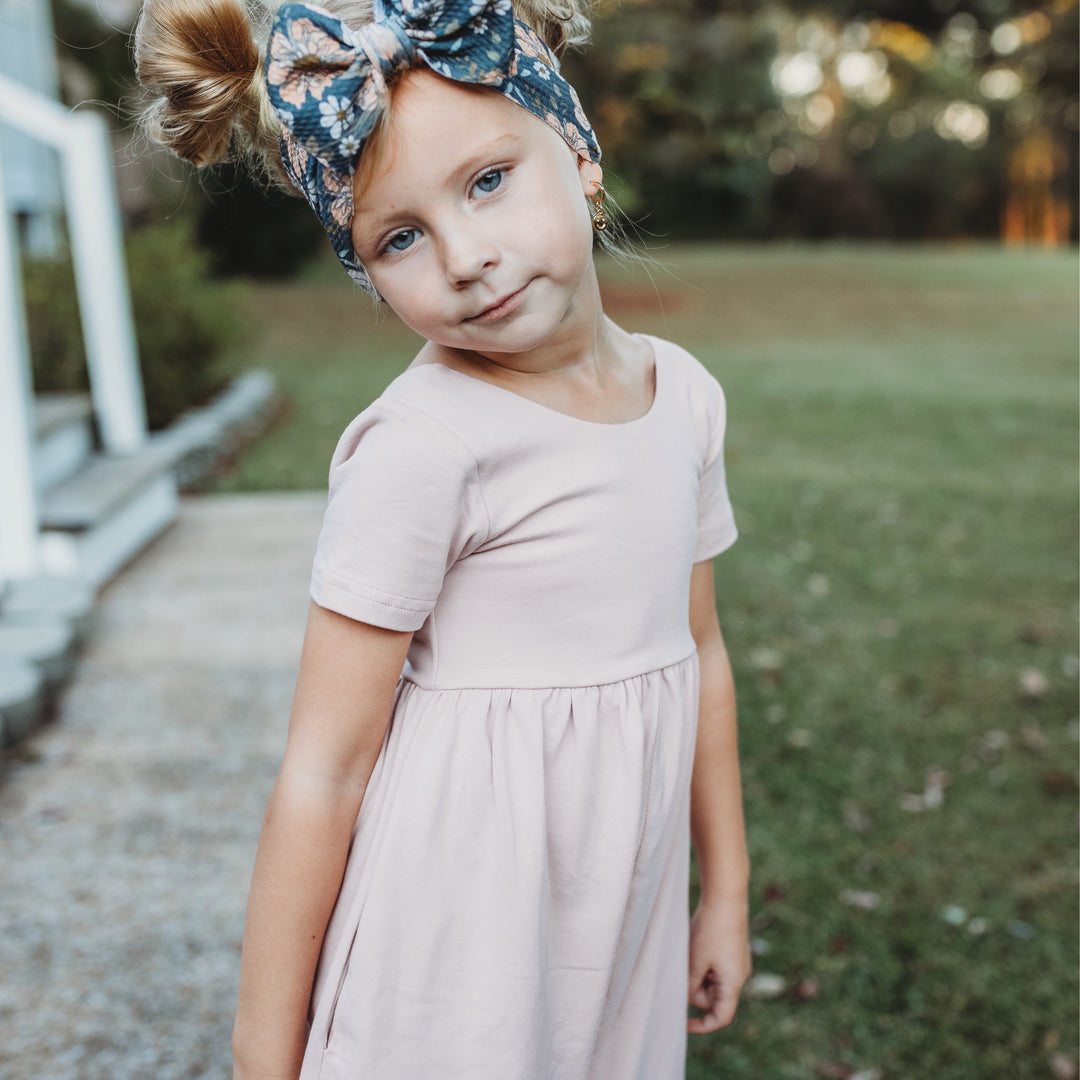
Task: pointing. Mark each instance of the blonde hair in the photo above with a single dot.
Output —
(204, 61)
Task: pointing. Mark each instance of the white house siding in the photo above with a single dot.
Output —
(117, 12)
(31, 171)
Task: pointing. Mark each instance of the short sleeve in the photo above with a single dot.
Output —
(716, 519)
(404, 505)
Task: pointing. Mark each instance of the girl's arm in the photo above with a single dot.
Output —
(720, 959)
(344, 692)
(716, 820)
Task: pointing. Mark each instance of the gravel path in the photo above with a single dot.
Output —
(128, 827)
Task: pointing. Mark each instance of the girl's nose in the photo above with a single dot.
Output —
(467, 256)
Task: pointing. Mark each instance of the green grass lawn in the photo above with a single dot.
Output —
(901, 613)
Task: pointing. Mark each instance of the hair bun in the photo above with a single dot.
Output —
(560, 23)
(201, 57)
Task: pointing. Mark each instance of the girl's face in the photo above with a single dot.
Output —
(471, 219)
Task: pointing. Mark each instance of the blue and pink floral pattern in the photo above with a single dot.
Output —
(327, 83)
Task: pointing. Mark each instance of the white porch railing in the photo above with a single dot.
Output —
(93, 219)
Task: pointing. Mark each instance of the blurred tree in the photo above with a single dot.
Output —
(674, 89)
(821, 118)
(934, 110)
(253, 228)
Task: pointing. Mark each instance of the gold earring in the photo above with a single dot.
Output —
(599, 221)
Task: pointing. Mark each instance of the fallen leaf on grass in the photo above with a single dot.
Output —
(764, 984)
(1063, 1067)
(860, 898)
(1033, 683)
(937, 780)
(954, 914)
(806, 988)
(766, 659)
(1057, 782)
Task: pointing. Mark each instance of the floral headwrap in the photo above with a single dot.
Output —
(328, 85)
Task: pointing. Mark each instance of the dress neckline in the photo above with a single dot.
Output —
(658, 381)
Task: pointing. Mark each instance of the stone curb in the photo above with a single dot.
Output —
(201, 441)
(45, 620)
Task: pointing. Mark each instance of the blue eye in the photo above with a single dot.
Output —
(401, 241)
(490, 180)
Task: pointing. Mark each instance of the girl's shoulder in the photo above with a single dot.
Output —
(698, 390)
(394, 429)
(686, 363)
(686, 370)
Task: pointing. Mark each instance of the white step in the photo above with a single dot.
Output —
(63, 437)
(97, 511)
(43, 622)
(93, 522)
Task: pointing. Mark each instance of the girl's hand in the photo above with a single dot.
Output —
(720, 961)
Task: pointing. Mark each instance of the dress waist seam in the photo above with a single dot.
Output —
(692, 655)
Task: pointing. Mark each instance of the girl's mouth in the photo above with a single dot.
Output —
(501, 307)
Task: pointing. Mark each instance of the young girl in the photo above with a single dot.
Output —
(514, 708)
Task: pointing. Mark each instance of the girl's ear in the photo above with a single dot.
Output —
(591, 175)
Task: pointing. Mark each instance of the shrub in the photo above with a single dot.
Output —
(184, 321)
(252, 229)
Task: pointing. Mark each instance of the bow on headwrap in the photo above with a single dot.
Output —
(327, 83)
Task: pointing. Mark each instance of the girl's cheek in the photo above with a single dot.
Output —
(400, 284)
(412, 299)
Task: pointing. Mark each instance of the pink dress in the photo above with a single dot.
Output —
(516, 900)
